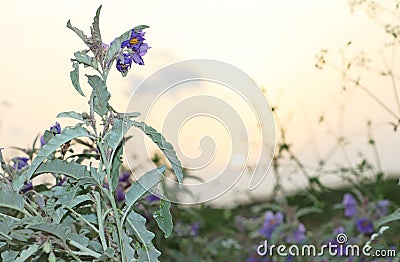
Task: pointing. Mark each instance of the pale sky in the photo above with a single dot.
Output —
(274, 42)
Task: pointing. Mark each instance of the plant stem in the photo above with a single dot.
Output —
(117, 220)
(100, 220)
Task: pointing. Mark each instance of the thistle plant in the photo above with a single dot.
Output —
(90, 213)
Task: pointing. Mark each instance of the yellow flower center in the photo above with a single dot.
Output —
(272, 222)
(124, 65)
(133, 41)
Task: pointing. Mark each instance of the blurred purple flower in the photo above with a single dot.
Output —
(365, 226)
(298, 235)
(350, 205)
(338, 230)
(152, 198)
(27, 187)
(194, 228)
(382, 208)
(120, 194)
(271, 222)
(20, 163)
(124, 177)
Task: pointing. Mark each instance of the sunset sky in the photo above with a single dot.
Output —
(274, 42)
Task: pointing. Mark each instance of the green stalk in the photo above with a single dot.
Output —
(117, 219)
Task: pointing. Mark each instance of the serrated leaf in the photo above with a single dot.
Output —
(100, 94)
(96, 27)
(140, 27)
(148, 253)
(60, 231)
(11, 199)
(136, 224)
(27, 253)
(86, 60)
(163, 218)
(129, 252)
(79, 32)
(74, 76)
(165, 146)
(115, 47)
(144, 183)
(66, 135)
(71, 114)
(70, 169)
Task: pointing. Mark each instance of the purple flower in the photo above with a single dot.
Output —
(125, 65)
(338, 230)
(382, 208)
(350, 205)
(194, 228)
(365, 226)
(56, 129)
(138, 48)
(105, 185)
(62, 181)
(271, 222)
(152, 198)
(42, 141)
(27, 188)
(20, 163)
(135, 41)
(124, 177)
(298, 235)
(120, 195)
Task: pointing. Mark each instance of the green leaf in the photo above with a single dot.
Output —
(9, 255)
(11, 199)
(74, 75)
(66, 135)
(79, 32)
(115, 47)
(136, 225)
(117, 132)
(71, 114)
(70, 169)
(100, 94)
(145, 182)
(86, 60)
(163, 218)
(27, 253)
(116, 165)
(60, 231)
(129, 252)
(392, 217)
(165, 146)
(140, 27)
(148, 253)
(96, 36)
(307, 210)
